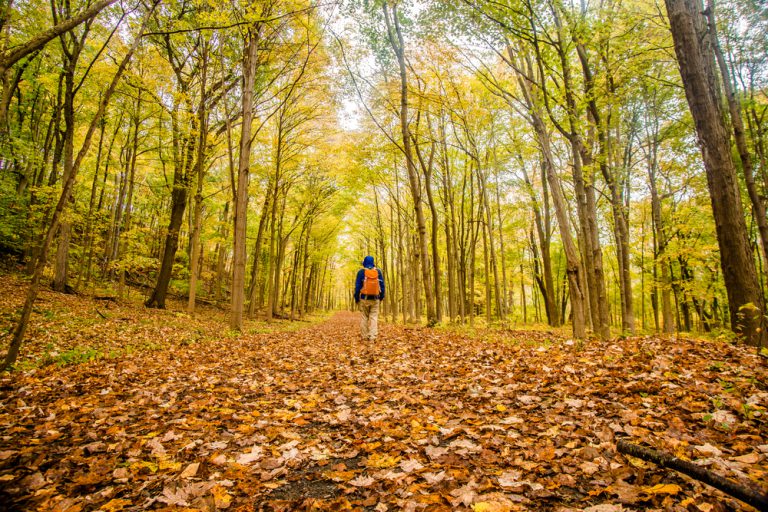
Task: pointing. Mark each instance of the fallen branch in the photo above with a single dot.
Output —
(741, 491)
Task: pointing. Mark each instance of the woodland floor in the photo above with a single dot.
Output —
(121, 408)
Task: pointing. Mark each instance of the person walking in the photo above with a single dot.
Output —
(369, 292)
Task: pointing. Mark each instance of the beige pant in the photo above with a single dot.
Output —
(369, 323)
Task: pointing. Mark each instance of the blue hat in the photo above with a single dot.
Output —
(368, 262)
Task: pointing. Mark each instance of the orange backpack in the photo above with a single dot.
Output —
(370, 282)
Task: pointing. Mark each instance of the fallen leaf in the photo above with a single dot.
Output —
(115, 505)
(464, 495)
(221, 497)
(33, 482)
(590, 468)
(749, 458)
(510, 478)
(491, 506)
(382, 460)
(433, 478)
(250, 457)
(708, 450)
(662, 489)
(190, 470)
(176, 497)
(435, 452)
(362, 481)
(410, 465)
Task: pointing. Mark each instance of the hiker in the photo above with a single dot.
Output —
(369, 291)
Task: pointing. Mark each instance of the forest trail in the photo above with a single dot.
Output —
(420, 420)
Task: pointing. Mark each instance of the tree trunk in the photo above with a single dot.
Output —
(250, 63)
(546, 283)
(696, 59)
(575, 287)
(85, 267)
(739, 135)
(71, 50)
(667, 318)
(221, 252)
(194, 260)
(179, 198)
(619, 214)
(421, 252)
(254, 284)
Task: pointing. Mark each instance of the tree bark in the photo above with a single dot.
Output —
(194, 260)
(546, 282)
(739, 135)
(558, 199)
(253, 287)
(250, 62)
(696, 59)
(179, 198)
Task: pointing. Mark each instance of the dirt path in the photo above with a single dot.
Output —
(422, 420)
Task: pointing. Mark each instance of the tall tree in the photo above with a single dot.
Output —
(696, 58)
(421, 252)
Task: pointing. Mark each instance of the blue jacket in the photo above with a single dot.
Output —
(368, 263)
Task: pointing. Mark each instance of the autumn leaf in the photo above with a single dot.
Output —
(169, 465)
(362, 481)
(250, 457)
(662, 489)
(115, 505)
(410, 465)
(340, 476)
(385, 456)
(749, 458)
(221, 497)
(190, 471)
(382, 460)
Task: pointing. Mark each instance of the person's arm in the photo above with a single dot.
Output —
(381, 283)
(358, 285)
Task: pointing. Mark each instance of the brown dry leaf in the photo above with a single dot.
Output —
(421, 411)
(464, 495)
(433, 478)
(174, 496)
(33, 482)
(362, 481)
(749, 458)
(590, 468)
(190, 471)
(411, 465)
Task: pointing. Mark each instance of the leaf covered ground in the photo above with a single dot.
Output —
(195, 418)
